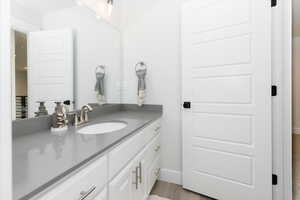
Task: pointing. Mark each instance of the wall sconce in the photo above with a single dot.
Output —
(79, 3)
(110, 7)
(102, 8)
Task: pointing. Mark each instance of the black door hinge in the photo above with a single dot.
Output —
(274, 91)
(187, 105)
(274, 179)
(273, 3)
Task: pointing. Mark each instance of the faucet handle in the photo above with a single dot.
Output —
(75, 114)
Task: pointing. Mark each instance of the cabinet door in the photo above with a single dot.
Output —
(102, 195)
(153, 174)
(121, 187)
(139, 191)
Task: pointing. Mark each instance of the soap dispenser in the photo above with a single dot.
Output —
(59, 118)
(42, 109)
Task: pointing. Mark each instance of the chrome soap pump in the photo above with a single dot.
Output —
(59, 118)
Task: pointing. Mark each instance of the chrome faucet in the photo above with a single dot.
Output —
(84, 113)
(83, 118)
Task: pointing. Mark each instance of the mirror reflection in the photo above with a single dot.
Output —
(64, 51)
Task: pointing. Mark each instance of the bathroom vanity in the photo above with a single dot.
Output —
(68, 56)
(123, 164)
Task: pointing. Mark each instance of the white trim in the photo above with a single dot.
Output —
(22, 26)
(13, 74)
(287, 99)
(5, 103)
(170, 176)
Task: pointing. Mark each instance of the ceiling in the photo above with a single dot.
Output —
(46, 6)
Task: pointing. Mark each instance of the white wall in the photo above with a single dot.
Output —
(154, 37)
(96, 43)
(25, 14)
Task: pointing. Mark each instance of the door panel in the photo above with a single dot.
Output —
(121, 187)
(51, 70)
(226, 57)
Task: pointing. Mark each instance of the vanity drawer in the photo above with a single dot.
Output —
(151, 131)
(89, 182)
(153, 150)
(122, 154)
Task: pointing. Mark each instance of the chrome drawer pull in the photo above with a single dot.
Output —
(136, 183)
(84, 194)
(157, 148)
(141, 171)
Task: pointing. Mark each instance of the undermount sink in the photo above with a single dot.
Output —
(102, 128)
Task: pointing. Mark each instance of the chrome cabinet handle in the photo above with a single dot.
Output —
(85, 194)
(157, 148)
(136, 183)
(157, 129)
(141, 171)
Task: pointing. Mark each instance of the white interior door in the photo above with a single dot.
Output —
(50, 71)
(226, 55)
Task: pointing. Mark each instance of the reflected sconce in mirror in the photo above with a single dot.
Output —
(102, 8)
(110, 5)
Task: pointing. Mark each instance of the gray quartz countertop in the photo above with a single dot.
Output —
(42, 158)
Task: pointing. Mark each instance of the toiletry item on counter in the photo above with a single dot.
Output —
(42, 109)
(141, 72)
(59, 118)
(99, 87)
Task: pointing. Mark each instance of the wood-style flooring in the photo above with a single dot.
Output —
(175, 192)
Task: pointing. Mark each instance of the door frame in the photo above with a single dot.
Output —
(26, 28)
(5, 103)
(286, 114)
(22, 26)
(282, 103)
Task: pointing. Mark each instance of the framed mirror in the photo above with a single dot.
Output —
(57, 45)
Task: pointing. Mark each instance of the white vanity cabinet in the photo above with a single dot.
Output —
(137, 179)
(121, 187)
(127, 172)
(153, 173)
(102, 196)
(84, 185)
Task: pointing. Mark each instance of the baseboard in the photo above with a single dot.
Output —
(170, 176)
(296, 130)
